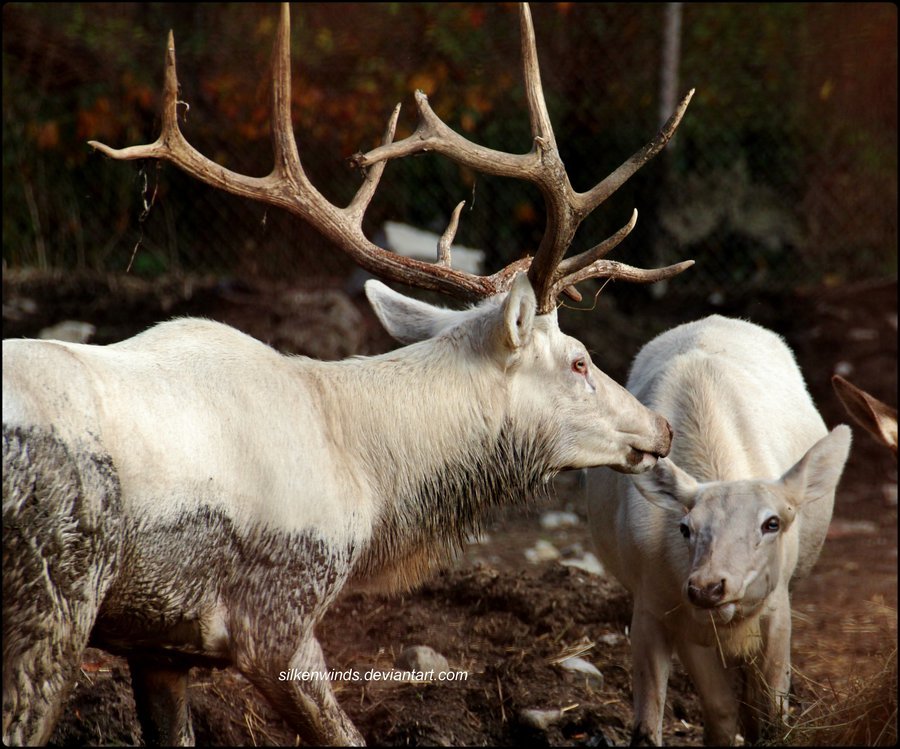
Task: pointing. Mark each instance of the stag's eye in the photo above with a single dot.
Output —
(580, 365)
(685, 529)
(772, 525)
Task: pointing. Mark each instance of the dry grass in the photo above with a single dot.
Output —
(861, 713)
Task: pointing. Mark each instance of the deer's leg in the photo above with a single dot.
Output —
(160, 695)
(309, 705)
(651, 657)
(717, 690)
(768, 674)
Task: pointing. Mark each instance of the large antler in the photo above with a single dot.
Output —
(287, 186)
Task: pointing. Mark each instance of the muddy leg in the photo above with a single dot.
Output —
(38, 674)
(60, 540)
(309, 706)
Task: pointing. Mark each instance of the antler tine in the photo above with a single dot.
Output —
(443, 250)
(541, 127)
(172, 146)
(367, 190)
(573, 264)
(284, 144)
(614, 270)
(587, 201)
(562, 222)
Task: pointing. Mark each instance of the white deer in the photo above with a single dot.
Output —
(710, 541)
(191, 496)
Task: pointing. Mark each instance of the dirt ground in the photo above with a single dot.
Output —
(505, 621)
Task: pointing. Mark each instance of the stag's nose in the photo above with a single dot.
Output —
(706, 596)
(665, 442)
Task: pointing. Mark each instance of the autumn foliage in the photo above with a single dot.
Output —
(792, 110)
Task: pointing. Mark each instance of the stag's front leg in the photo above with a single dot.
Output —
(308, 705)
(651, 658)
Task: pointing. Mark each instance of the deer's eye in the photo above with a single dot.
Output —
(772, 525)
(580, 365)
(685, 529)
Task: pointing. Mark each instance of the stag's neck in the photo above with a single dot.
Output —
(439, 452)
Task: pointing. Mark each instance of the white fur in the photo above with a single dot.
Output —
(749, 446)
(369, 468)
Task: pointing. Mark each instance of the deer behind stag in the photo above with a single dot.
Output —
(190, 496)
(711, 541)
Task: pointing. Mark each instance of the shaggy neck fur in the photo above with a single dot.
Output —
(440, 451)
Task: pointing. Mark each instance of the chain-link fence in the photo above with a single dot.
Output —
(784, 171)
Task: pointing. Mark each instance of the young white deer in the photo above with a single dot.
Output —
(710, 540)
(191, 496)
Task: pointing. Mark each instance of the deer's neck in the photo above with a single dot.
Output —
(440, 451)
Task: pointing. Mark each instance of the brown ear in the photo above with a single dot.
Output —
(871, 414)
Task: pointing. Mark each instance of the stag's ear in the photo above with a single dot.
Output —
(817, 473)
(518, 314)
(407, 320)
(667, 486)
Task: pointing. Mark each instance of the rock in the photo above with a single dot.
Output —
(422, 245)
(843, 368)
(72, 331)
(588, 563)
(542, 551)
(421, 658)
(540, 720)
(553, 520)
(585, 668)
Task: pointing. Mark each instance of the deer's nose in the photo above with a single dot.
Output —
(706, 596)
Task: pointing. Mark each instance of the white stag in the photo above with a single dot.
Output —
(710, 540)
(191, 496)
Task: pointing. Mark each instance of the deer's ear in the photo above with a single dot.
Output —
(407, 320)
(817, 473)
(667, 486)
